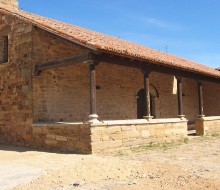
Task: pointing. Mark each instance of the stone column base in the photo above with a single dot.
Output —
(93, 118)
(201, 116)
(149, 117)
(181, 116)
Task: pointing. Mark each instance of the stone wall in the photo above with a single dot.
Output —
(190, 99)
(15, 83)
(119, 85)
(62, 137)
(211, 96)
(109, 136)
(97, 138)
(60, 94)
(118, 135)
(208, 125)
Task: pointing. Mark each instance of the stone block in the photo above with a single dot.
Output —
(175, 131)
(84, 138)
(50, 136)
(50, 142)
(98, 130)
(133, 142)
(113, 129)
(133, 134)
(26, 136)
(145, 134)
(37, 131)
(117, 136)
(126, 128)
(141, 127)
(61, 138)
(105, 145)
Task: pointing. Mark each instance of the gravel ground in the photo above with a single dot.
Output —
(194, 165)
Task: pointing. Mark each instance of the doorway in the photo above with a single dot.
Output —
(141, 103)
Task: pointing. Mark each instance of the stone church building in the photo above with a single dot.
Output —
(63, 87)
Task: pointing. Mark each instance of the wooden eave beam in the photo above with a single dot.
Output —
(64, 62)
(184, 73)
(113, 59)
(154, 67)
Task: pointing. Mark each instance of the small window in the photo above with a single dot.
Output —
(3, 49)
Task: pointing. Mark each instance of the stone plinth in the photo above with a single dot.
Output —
(208, 125)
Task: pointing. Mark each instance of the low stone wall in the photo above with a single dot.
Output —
(208, 125)
(116, 135)
(63, 137)
(107, 136)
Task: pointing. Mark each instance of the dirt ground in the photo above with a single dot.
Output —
(193, 165)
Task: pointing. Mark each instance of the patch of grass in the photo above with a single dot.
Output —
(154, 146)
(186, 140)
(206, 137)
(149, 146)
(215, 135)
(120, 153)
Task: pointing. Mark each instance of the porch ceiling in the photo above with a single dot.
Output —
(128, 62)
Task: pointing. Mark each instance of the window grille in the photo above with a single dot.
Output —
(3, 49)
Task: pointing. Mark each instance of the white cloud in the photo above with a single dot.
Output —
(157, 22)
(161, 24)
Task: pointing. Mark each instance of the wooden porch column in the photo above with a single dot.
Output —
(180, 97)
(147, 95)
(93, 117)
(200, 96)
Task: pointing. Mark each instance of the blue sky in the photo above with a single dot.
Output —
(187, 28)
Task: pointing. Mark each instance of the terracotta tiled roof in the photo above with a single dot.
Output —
(99, 41)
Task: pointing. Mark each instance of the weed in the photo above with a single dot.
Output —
(186, 140)
(215, 135)
(119, 153)
(207, 137)
(154, 146)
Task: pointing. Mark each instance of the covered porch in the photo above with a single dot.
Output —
(180, 93)
(160, 92)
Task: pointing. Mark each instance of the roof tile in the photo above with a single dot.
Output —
(99, 41)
